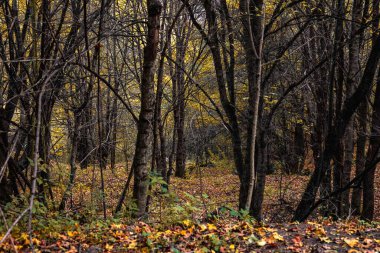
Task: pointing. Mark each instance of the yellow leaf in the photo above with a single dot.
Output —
(72, 233)
(25, 238)
(118, 233)
(132, 245)
(183, 232)
(232, 247)
(320, 231)
(211, 227)
(325, 239)
(261, 231)
(157, 235)
(36, 241)
(351, 242)
(108, 247)
(115, 226)
(187, 223)
(203, 227)
(277, 236)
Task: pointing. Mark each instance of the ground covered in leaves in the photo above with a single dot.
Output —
(198, 216)
(221, 235)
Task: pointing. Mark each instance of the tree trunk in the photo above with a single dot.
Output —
(144, 125)
(343, 159)
(182, 39)
(298, 148)
(362, 116)
(357, 192)
(8, 186)
(253, 28)
(372, 154)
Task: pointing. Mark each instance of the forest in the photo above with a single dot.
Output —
(189, 126)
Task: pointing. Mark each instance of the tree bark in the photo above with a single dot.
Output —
(144, 125)
(253, 28)
(357, 192)
(181, 44)
(343, 157)
(372, 154)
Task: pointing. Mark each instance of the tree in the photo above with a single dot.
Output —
(337, 132)
(253, 27)
(144, 125)
(372, 155)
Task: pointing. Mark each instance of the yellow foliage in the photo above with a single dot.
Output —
(211, 227)
(187, 223)
(352, 242)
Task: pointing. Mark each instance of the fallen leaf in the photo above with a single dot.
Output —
(277, 236)
(132, 245)
(211, 227)
(203, 227)
(108, 247)
(297, 241)
(351, 242)
(187, 223)
(325, 239)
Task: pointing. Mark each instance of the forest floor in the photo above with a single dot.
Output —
(197, 216)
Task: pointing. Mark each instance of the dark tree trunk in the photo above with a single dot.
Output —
(258, 193)
(299, 147)
(162, 159)
(357, 192)
(372, 154)
(85, 138)
(182, 39)
(16, 77)
(44, 147)
(363, 112)
(342, 159)
(113, 134)
(352, 81)
(144, 125)
(180, 104)
(159, 141)
(172, 154)
(8, 185)
(252, 20)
